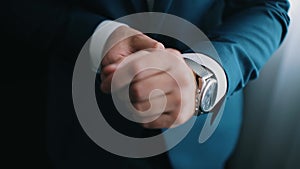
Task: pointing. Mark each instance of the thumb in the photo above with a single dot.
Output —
(141, 42)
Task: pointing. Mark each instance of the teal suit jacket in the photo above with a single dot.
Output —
(245, 33)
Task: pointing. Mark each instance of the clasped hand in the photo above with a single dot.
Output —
(145, 66)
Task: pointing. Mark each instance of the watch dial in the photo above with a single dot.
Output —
(209, 96)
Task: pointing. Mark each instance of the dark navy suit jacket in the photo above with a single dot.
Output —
(245, 33)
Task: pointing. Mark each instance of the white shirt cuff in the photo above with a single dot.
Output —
(216, 69)
(98, 41)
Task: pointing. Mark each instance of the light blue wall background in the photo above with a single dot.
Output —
(270, 137)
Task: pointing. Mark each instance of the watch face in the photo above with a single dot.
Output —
(209, 95)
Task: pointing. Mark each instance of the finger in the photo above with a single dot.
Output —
(109, 69)
(144, 120)
(118, 44)
(106, 70)
(121, 50)
(141, 41)
(143, 60)
(105, 85)
(174, 51)
(164, 121)
(123, 77)
(140, 90)
(157, 105)
(134, 64)
(117, 53)
(147, 73)
(113, 56)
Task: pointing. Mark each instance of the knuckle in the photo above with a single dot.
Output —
(140, 108)
(136, 91)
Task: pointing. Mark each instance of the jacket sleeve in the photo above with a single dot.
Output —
(249, 34)
(53, 25)
(80, 26)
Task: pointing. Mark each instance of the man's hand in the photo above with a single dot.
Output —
(121, 43)
(145, 72)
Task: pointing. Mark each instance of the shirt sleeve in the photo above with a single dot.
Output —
(98, 40)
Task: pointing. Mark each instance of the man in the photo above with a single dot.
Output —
(244, 33)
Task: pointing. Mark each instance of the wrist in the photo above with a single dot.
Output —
(211, 78)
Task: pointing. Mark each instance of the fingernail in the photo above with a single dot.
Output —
(159, 46)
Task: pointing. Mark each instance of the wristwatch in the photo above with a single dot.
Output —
(207, 88)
